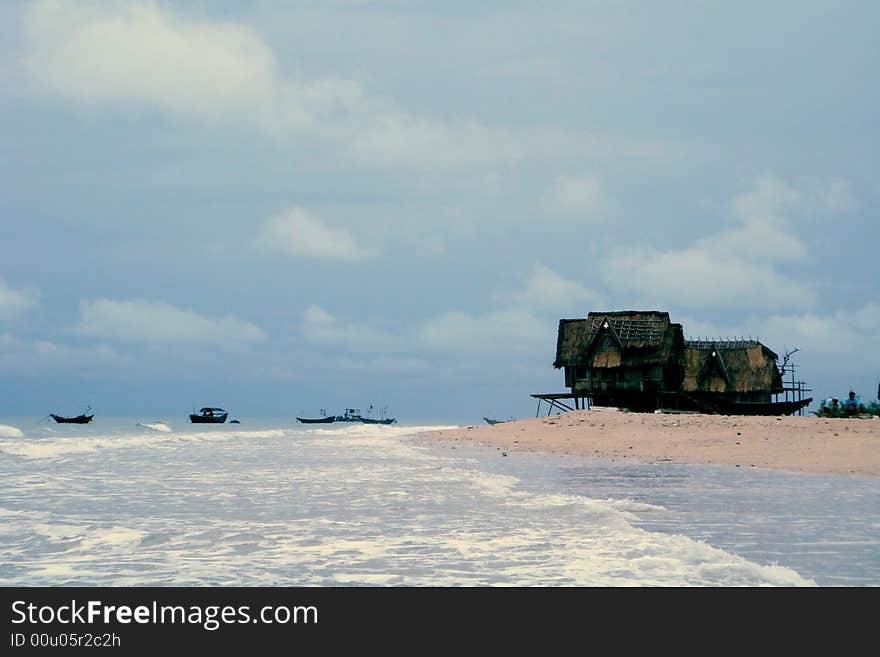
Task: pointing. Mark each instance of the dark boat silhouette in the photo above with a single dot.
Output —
(324, 419)
(759, 408)
(209, 415)
(317, 420)
(354, 415)
(387, 420)
(79, 419)
(350, 415)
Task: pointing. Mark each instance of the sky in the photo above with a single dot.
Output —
(282, 207)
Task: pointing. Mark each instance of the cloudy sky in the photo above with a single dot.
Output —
(280, 207)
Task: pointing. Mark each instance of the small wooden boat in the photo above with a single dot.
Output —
(79, 419)
(721, 406)
(324, 419)
(760, 408)
(316, 420)
(387, 420)
(209, 415)
(367, 419)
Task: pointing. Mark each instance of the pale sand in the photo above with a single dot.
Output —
(807, 444)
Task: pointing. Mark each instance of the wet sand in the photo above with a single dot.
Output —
(805, 444)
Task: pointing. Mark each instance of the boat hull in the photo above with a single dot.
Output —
(367, 420)
(202, 419)
(721, 406)
(79, 419)
(700, 403)
(318, 420)
(761, 408)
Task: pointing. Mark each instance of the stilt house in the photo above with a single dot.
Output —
(640, 360)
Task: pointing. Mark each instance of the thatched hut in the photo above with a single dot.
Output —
(640, 359)
(736, 370)
(623, 357)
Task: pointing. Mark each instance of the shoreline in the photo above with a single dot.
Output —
(794, 443)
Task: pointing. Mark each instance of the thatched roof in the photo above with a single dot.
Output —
(730, 366)
(571, 342)
(730, 344)
(632, 337)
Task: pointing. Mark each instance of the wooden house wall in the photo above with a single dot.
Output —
(599, 379)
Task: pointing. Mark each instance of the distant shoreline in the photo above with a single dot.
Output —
(801, 444)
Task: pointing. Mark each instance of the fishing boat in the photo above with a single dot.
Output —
(760, 408)
(721, 406)
(79, 419)
(387, 420)
(368, 419)
(324, 419)
(355, 415)
(316, 420)
(350, 415)
(209, 415)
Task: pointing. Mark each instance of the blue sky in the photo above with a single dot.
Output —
(281, 207)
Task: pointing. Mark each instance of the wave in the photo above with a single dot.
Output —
(155, 426)
(7, 431)
(355, 429)
(46, 448)
(586, 544)
(350, 505)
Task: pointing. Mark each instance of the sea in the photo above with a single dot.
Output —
(269, 502)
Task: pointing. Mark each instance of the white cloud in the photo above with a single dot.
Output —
(319, 326)
(546, 290)
(699, 277)
(393, 138)
(389, 367)
(521, 322)
(300, 233)
(843, 338)
(194, 68)
(15, 302)
(145, 54)
(580, 196)
(158, 323)
(524, 320)
(756, 241)
(30, 357)
(769, 199)
(500, 331)
(773, 200)
(735, 268)
(138, 53)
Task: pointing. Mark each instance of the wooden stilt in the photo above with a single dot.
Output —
(555, 403)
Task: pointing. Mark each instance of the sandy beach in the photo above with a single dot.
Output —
(805, 444)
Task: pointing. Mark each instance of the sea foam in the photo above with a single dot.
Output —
(7, 431)
(350, 505)
(155, 426)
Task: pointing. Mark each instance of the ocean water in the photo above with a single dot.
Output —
(270, 502)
